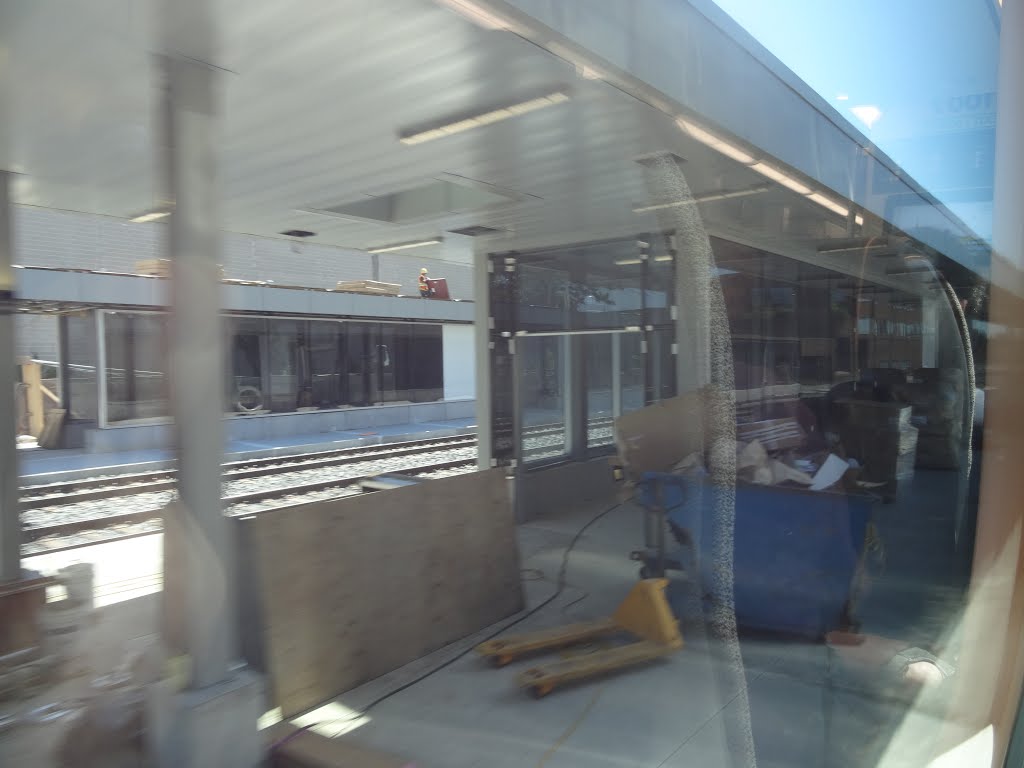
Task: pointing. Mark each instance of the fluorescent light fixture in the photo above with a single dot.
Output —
(858, 220)
(403, 246)
(776, 175)
(826, 202)
(486, 118)
(627, 262)
(479, 16)
(663, 257)
(709, 139)
(142, 218)
(705, 198)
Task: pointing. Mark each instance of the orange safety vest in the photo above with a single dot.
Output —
(424, 285)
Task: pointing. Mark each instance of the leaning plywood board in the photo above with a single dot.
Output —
(356, 587)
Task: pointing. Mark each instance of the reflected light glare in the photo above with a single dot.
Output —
(710, 140)
(776, 175)
(476, 14)
(485, 118)
(332, 720)
(868, 114)
(826, 202)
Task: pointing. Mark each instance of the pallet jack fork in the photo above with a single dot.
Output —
(644, 613)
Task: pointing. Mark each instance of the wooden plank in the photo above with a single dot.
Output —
(353, 588)
(53, 424)
(292, 747)
(53, 397)
(31, 377)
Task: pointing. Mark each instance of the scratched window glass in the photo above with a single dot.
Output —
(513, 383)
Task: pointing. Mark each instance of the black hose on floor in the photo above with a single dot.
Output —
(561, 584)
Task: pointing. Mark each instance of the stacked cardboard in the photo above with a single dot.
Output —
(882, 440)
(159, 268)
(937, 398)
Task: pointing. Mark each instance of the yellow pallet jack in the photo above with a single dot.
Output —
(644, 613)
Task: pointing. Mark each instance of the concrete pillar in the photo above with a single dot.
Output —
(10, 522)
(213, 720)
(482, 340)
(196, 366)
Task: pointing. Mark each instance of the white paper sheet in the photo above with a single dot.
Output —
(830, 472)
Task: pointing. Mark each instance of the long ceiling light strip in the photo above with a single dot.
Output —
(404, 246)
(486, 118)
(723, 147)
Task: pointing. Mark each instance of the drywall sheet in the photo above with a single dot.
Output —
(353, 588)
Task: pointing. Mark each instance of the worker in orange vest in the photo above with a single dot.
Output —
(425, 290)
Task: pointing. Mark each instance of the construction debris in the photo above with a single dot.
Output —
(371, 287)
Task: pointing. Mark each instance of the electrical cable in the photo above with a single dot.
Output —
(561, 585)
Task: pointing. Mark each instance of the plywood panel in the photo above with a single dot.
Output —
(353, 588)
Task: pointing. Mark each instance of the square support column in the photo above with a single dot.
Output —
(199, 559)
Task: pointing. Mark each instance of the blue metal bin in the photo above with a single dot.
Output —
(795, 552)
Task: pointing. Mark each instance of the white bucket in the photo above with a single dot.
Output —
(77, 579)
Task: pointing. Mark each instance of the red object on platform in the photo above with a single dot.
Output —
(438, 288)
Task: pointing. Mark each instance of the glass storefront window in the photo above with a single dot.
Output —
(136, 386)
(245, 355)
(81, 352)
(600, 383)
(544, 423)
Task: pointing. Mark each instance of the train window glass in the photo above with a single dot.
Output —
(545, 296)
(659, 288)
(610, 294)
(135, 366)
(117, 373)
(325, 363)
(360, 374)
(81, 358)
(661, 364)
(245, 389)
(600, 385)
(544, 398)
(288, 365)
(631, 371)
(426, 364)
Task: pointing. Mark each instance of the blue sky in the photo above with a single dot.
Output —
(928, 68)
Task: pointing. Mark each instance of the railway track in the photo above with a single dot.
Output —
(96, 488)
(130, 504)
(344, 486)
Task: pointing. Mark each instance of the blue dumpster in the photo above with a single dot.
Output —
(795, 552)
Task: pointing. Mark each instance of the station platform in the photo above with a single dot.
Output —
(41, 465)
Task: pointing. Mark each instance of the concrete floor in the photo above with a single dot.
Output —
(703, 707)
